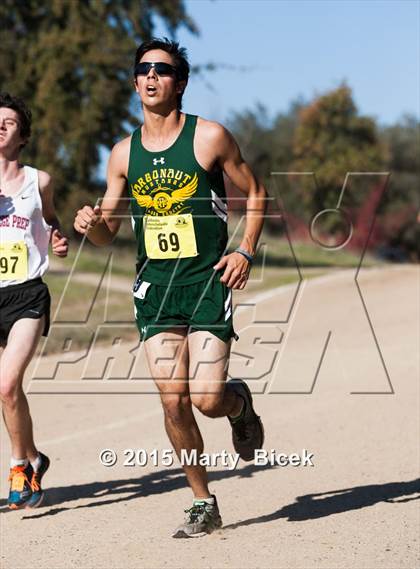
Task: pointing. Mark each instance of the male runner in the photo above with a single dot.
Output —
(172, 168)
(27, 216)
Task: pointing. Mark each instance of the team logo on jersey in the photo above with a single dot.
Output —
(166, 201)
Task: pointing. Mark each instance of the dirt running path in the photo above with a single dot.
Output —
(357, 507)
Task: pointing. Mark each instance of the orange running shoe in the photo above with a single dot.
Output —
(20, 486)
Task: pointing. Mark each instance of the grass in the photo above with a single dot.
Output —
(273, 277)
(276, 251)
(82, 309)
(92, 259)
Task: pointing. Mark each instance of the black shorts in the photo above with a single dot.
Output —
(30, 299)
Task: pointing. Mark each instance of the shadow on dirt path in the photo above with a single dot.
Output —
(313, 506)
(126, 489)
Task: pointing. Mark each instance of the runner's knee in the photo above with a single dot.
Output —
(208, 403)
(10, 390)
(177, 408)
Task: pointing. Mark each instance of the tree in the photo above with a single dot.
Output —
(402, 144)
(332, 139)
(327, 136)
(267, 143)
(71, 61)
(401, 218)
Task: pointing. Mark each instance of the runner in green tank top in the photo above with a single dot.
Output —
(171, 185)
(171, 169)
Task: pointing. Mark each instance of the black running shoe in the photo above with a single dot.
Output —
(200, 519)
(37, 492)
(247, 430)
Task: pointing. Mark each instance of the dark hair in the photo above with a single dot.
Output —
(25, 115)
(179, 56)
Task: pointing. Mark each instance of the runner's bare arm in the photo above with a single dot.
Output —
(59, 243)
(234, 166)
(101, 223)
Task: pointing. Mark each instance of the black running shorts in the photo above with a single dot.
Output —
(30, 299)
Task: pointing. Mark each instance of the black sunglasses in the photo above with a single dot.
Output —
(163, 69)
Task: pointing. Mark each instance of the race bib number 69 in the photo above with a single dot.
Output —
(13, 261)
(169, 237)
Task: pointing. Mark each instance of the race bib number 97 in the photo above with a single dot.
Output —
(170, 237)
(13, 261)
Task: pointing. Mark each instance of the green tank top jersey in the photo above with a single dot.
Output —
(179, 211)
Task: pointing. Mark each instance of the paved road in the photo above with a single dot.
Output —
(329, 376)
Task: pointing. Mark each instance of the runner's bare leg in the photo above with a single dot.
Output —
(21, 345)
(167, 355)
(208, 367)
